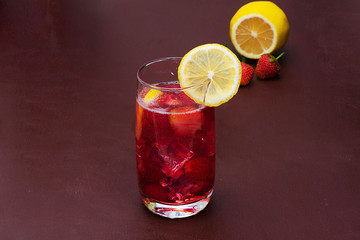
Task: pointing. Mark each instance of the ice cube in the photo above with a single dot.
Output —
(180, 188)
(171, 157)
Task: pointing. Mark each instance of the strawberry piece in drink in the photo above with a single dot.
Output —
(186, 120)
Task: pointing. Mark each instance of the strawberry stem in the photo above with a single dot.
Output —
(243, 59)
(280, 55)
(273, 59)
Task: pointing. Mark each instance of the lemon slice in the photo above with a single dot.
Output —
(138, 125)
(149, 98)
(211, 74)
(257, 28)
(151, 95)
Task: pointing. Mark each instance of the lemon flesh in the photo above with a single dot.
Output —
(257, 28)
(152, 95)
(210, 74)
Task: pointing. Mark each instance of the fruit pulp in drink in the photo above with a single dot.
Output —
(175, 146)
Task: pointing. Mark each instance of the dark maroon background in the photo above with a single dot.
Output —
(287, 149)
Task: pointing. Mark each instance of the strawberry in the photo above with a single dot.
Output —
(247, 73)
(186, 120)
(267, 66)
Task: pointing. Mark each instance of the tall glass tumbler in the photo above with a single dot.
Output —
(175, 143)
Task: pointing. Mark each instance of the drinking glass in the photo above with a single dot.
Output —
(175, 143)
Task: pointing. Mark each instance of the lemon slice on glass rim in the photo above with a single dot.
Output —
(210, 74)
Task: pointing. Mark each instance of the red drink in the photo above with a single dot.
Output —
(175, 147)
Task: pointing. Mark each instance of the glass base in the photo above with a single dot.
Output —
(176, 211)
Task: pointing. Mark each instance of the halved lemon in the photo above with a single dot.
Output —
(211, 74)
(257, 28)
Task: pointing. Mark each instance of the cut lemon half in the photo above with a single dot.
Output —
(210, 74)
(257, 28)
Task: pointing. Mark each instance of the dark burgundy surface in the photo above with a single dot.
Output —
(287, 149)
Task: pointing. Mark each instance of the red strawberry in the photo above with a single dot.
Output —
(267, 66)
(186, 120)
(247, 73)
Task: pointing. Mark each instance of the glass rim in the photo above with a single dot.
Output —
(157, 60)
